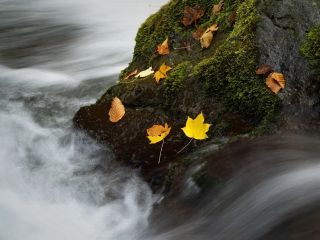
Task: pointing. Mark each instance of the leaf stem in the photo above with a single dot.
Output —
(161, 151)
(185, 146)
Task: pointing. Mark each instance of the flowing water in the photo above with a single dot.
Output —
(56, 56)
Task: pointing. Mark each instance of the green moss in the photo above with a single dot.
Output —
(229, 75)
(203, 181)
(175, 81)
(167, 23)
(311, 47)
(172, 169)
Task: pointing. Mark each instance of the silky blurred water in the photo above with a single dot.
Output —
(56, 56)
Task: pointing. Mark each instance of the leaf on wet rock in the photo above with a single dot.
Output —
(276, 82)
(163, 48)
(145, 73)
(264, 69)
(198, 33)
(132, 74)
(157, 133)
(162, 72)
(207, 37)
(117, 110)
(196, 128)
(217, 8)
(192, 14)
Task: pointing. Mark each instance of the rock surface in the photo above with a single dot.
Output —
(231, 96)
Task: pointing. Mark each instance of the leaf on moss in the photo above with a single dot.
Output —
(145, 73)
(264, 69)
(217, 8)
(198, 33)
(207, 37)
(157, 133)
(192, 14)
(117, 110)
(163, 48)
(132, 74)
(276, 82)
(162, 72)
(196, 128)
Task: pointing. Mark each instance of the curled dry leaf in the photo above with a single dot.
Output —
(217, 8)
(132, 74)
(196, 128)
(157, 133)
(192, 14)
(264, 69)
(162, 72)
(145, 73)
(163, 48)
(276, 82)
(207, 37)
(198, 33)
(116, 111)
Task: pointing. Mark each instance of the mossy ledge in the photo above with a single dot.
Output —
(311, 47)
(219, 81)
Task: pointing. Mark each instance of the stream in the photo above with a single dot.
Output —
(56, 56)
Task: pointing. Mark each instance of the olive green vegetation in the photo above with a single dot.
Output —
(175, 81)
(229, 74)
(226, 70)
(311, 47)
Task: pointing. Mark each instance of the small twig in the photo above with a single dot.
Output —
(185, 146)
(161, 151)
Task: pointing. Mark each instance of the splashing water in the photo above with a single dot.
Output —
(52, 184)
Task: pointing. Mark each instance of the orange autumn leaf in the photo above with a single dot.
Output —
(276, 82)
(217, 8)
(192, 14)
(158, 133)
(207, 37)
(117, 110)
(162, 72)
(132, 74)
(264, 69)
(163, 48)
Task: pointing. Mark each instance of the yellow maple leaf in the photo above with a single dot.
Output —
(196, 128)
(145, 73)
(162, 72)
(157, 133)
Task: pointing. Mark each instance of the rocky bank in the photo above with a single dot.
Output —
(219, 81)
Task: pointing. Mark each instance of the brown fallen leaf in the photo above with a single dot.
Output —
(116, 111)
(276, 82)
(207, 37)
(264, 69)
(192, 14)
(162, 72)
(198, 33)
(217, 8)
(132, 74)
(163, 48)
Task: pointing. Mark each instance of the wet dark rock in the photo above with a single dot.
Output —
(280, 34)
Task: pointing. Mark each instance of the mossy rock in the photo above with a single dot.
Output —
(311, 47)
(219, 81)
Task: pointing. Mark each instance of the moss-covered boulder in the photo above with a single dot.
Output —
(219, 81)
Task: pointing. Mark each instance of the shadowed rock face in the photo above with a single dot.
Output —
(280, 34)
